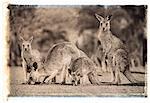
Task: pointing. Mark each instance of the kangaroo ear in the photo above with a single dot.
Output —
(21, 38)
(31, 39)
(109, 17)
(100, 18)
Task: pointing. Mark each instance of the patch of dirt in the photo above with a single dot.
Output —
(124, 89)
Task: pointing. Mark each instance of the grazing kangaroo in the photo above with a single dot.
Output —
(29, 57)
(59, 58)
(115, 51)
(81, 68)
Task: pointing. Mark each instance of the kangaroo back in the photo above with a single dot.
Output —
(62, 52)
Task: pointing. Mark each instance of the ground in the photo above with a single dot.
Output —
(124, 89)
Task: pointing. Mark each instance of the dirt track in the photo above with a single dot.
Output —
(125, 89)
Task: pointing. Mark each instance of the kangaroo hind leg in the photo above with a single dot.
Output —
(54, 73)
(117, 76)
(116, 71)
(63, 74)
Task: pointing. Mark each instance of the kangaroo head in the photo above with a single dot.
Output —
(73, 75)
(26, 44)
(104, 22)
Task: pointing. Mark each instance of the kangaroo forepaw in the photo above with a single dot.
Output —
(62, 83)
(47, 82)
(32, 83)
(116, 82)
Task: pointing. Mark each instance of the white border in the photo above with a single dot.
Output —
(66, 99)
(80, 2)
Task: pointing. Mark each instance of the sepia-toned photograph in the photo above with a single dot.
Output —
(77, 50)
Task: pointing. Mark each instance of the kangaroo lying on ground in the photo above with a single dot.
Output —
(115, 50)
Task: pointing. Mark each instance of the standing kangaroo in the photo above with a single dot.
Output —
(115, 51)
(29, 58)
(59, 58)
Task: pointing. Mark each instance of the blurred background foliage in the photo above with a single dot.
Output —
(52, 24)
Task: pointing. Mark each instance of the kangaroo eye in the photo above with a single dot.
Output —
(23, 45)
(28, 45)
(101, 24)
(106, 24)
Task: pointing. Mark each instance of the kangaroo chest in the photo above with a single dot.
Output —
(27, 57)
(106, 43)
(111, 43)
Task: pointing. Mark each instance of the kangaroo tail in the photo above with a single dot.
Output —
(130, 77)
(93, 78)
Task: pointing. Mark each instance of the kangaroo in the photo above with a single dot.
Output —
(115, 50)
(81, 68)
(29, 56)
(59, 58)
